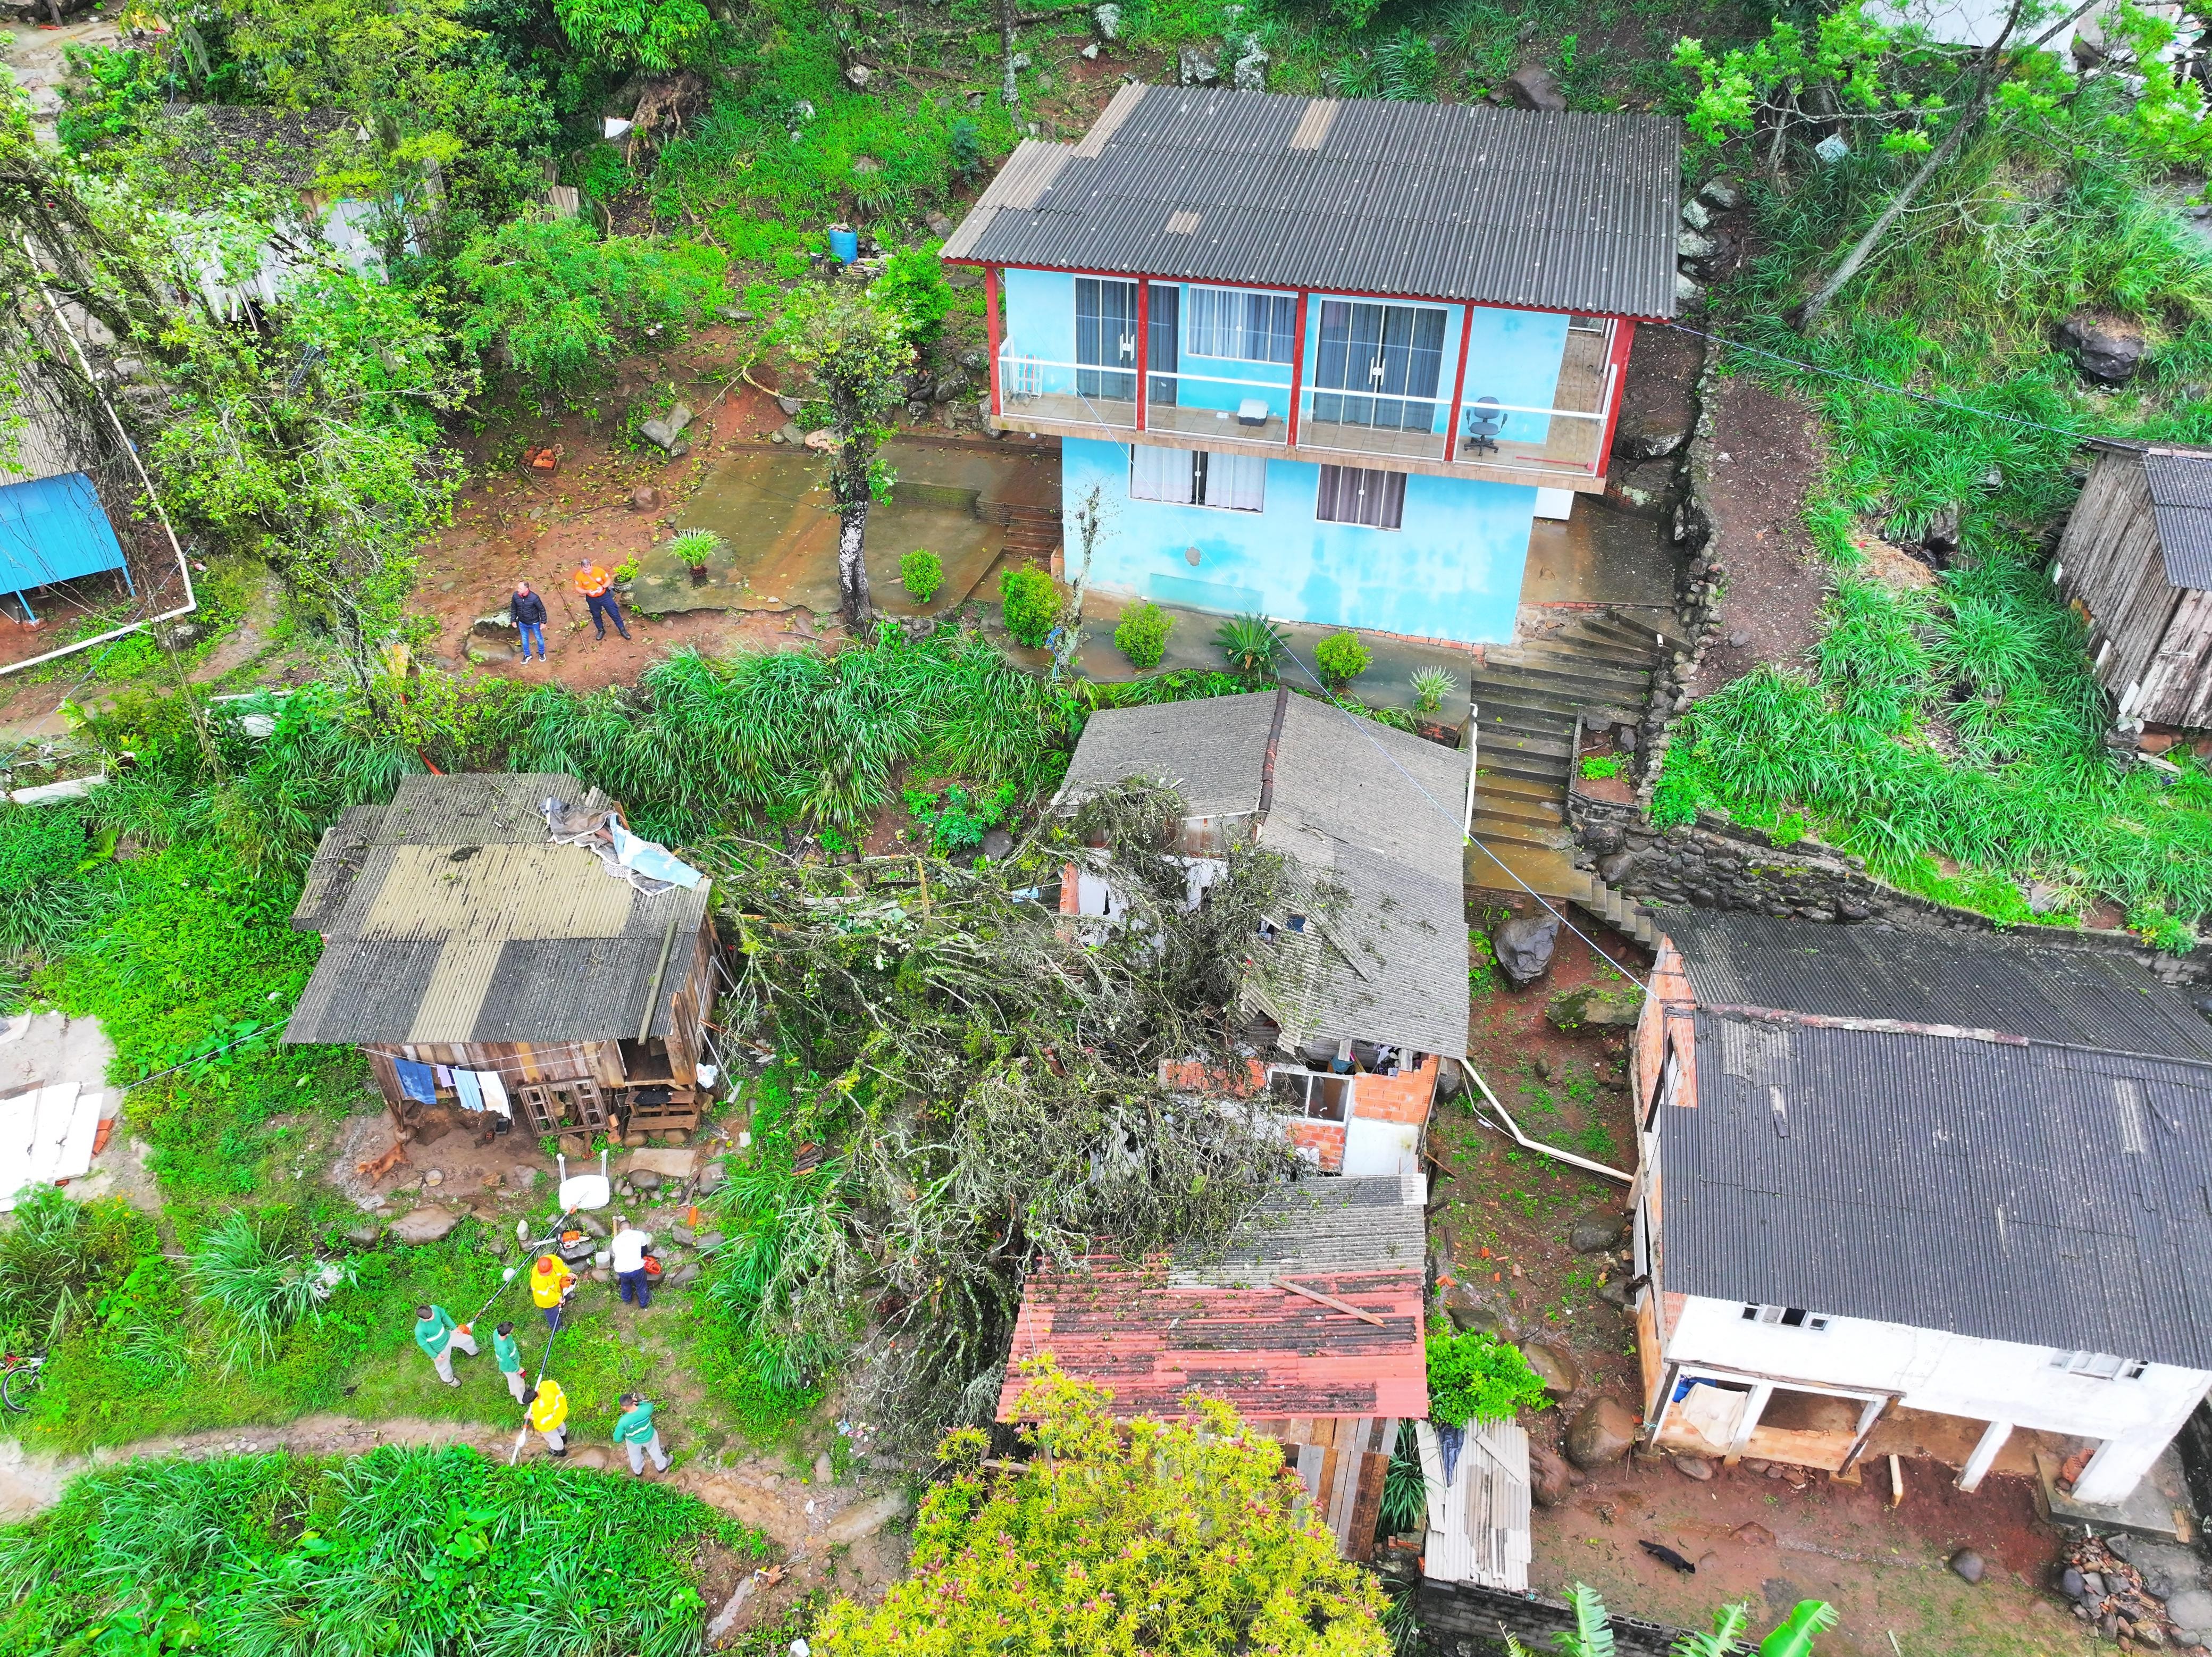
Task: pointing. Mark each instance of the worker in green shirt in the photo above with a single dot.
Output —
(437, 1334)
(506, 1352)
(636, 1434)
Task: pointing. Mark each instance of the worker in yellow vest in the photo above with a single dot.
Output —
(548, 1415)
(551, 1283)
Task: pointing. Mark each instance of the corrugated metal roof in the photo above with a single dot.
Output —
(449, 916)
(1156, 1330)
(2181, 502)
(1356, 806)
(2010, 1191)
(1974, 981)
(1554, 209)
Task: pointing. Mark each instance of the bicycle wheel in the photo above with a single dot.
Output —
(17, 1386)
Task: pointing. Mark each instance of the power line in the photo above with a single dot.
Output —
(1874, 384)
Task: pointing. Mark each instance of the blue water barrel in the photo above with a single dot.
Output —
(844, 245)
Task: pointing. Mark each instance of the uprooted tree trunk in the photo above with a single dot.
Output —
(1987, 80)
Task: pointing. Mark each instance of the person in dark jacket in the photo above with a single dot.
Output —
(527, 611)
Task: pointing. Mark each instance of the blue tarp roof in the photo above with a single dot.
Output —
(53, 528)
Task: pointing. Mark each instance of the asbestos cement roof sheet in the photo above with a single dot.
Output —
(2181, 502)
(2080, 997)
(1549, 209)
(2004, 1189)
(1369, 819)
(449, 916)
(1158, 1330)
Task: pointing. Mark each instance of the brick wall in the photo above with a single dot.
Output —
(1192, 1077)
(1404, 1097)
(1325, 1139)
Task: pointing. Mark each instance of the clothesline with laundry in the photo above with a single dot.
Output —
(478, 1090)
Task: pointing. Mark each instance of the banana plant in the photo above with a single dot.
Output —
(1592, 1634)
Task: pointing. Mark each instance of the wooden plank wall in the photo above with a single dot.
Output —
(688, 1005)
(2110, 565)
(1342, 1461)
(2178, 689)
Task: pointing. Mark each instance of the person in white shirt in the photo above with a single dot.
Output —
(629, 1249)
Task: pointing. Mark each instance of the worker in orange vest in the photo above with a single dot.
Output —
(598, 588)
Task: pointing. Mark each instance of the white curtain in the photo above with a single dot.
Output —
(1238, 482)
(1245, 327)
(1157, 474)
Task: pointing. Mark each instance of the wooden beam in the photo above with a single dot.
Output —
(1331, 1301)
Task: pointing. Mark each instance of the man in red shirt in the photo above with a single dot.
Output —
(598, 588)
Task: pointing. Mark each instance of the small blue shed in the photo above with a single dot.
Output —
(54, 529)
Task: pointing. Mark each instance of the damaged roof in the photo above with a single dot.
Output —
(448, 916)
(1972, 980)
(1369, 819)
(2003, 1188)
(1221, 1323)
(2180, 483)
(1547, 209)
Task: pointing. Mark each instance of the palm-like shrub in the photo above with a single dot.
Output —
(1252, 645)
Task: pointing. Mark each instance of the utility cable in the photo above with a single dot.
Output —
(1876, 384)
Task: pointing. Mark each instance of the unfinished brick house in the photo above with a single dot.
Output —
(492, 957)
(1365, 991)
(1943, 1196)
(1308, 1320)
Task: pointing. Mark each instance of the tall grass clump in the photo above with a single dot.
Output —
(261, 1272)
(433, 1552)
(59, 1258)
(1954, 736)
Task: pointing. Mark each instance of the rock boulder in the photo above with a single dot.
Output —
(1551, 1481)
(1593, 1233)
(865, 1518)
(1589, 1004)
(1553, 1368)
(1532, 87)
(1601, 1433)
(1523, 947)
(424, 1225)
(2106, 349)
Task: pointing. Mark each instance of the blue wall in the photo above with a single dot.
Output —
(53, 530)
(1512, 355)
(1453, 572)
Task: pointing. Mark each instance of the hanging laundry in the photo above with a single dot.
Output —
(495, 1093)
(416, 1081)
(445, 1075)
(465, 1083)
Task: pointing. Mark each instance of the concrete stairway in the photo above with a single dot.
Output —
(1527, 697)
(1032, 533)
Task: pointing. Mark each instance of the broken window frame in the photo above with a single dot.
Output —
(1304, 1106)
(1787, 1317)
(2100, 1366)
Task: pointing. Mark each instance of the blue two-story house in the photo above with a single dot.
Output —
(1328, 359)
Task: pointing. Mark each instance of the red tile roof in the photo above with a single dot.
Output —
(1266, 1350)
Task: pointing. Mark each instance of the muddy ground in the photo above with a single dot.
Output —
(1814, 1538)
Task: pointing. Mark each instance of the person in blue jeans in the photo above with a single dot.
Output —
(527, 611)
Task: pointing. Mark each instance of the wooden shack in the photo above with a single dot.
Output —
(486, 964)
(2136, 562)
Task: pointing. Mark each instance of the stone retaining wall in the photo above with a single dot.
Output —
(1716, 864)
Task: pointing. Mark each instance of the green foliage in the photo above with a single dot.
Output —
(53, 881)
(433, 1550)
(921, 572)
(59, 1257)
(1141, 635)
(953, 822)
(913, 287)
(261, 1272)
(109, 96)
(1056, 1557)
(786, 736)
(1252, 645)
(556, 302)
(694, 547)
(1028, 600)
(1475, 1376)
(1592, 1635)
(1340, 658)
(1405, 1488)
(656, 36)
(1602, 765)
(1431, 686)
(1482, 963)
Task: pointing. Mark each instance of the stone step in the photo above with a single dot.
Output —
(1493, 743)
(1537, 808)
(1517, 704)
(1500, 834)
(1547, 873)
(1627, 635)
(1522, 791)
(1607, 681)
(1534, 767)
(1519, 823)
(1584, 642)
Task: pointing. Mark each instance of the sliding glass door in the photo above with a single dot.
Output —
(1106, 339)
(1379, 364)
